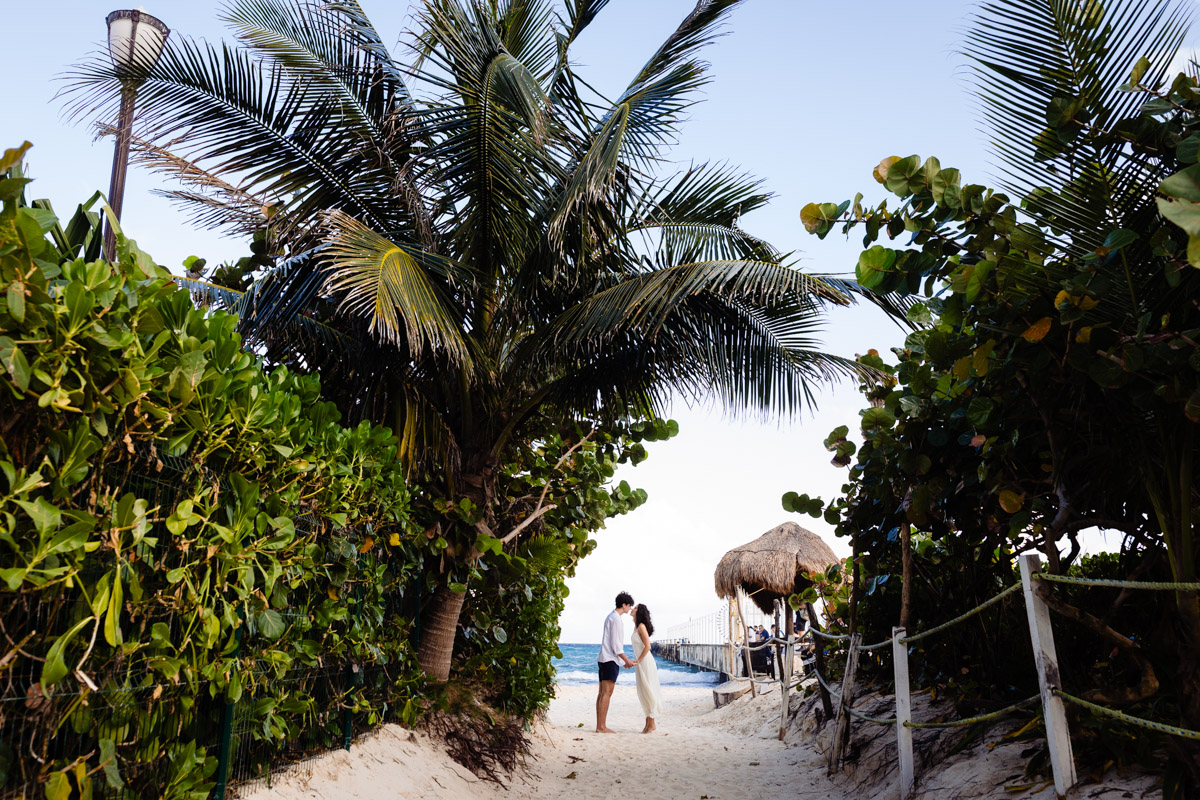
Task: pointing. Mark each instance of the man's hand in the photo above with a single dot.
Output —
(629, 664)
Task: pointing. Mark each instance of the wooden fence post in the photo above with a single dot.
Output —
(745, 643)
(903, 713)
(785, 675)
(819, 659)
(1045, 660)
(841, 732)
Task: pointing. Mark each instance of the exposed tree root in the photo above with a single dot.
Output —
(488, 743)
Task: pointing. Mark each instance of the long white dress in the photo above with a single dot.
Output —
(646, 672)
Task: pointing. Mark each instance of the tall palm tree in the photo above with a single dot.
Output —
(490, 250)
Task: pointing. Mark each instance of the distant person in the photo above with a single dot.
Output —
(648, 691)
(612, 656)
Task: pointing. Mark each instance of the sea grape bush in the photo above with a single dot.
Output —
(175, 523)
(1051, 384)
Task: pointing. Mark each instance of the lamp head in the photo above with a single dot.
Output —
(135, 40)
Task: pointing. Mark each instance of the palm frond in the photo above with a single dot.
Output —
(388, 284)
(643, 302)
(1049, 57)
(241, 117)
(425, 437)
(312, 41)
(645, 117)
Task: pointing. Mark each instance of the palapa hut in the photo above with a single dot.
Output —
(772, 567)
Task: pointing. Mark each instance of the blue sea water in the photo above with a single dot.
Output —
(578, 667)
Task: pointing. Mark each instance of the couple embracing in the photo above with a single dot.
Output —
(612, 657)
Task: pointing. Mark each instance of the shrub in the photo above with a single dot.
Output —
(179, 529)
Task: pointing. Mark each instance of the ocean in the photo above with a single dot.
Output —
(577, 667)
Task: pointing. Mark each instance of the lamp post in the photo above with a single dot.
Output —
(135, 42)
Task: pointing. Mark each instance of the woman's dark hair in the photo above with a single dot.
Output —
(641, 616)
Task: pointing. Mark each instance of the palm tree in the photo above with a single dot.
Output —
(487, 253)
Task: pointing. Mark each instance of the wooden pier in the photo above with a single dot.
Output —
(710, 657)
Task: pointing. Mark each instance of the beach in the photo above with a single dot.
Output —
(696, 752)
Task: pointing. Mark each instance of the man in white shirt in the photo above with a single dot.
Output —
(612, 656)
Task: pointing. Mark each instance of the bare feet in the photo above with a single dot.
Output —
(605, 730)
(650, 728)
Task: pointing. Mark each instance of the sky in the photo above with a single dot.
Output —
(807, 96)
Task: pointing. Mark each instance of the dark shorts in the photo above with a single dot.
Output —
(609, 670)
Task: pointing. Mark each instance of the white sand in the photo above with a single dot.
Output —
(695, 752)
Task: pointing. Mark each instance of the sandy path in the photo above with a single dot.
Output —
(696, 753)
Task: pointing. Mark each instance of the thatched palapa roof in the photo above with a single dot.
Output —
(773, 565)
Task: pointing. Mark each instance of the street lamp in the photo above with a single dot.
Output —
(135, 42)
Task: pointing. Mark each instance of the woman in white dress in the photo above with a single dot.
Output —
(646, 670)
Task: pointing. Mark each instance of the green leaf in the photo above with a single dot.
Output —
(108, 760)
(1139, 70)
(58, 787)
(116, 604)
(270, 623)
(917, 507)
(1188, 150)
(1119, 238)
(45, 516)
(458, 588)
(14, 363)
(906, 176)
(875, 419)
(55, 668)
(874, 265)
(16, 300)
(500, 634)
(790, 499)
(945, 188)
(1180, 205)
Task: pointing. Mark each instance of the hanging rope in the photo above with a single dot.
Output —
(961, 723)
(1016, 587)
(1155, 586)
(1161, 727)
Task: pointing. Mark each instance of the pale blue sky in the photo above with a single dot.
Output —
(809, 96)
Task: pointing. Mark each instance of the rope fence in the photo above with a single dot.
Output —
(1051, 695)
(916, 637)
(962, 723)
(1149, 724)
(1153, 586)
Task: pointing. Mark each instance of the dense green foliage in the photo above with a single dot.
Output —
(164, 499)
(1051, 383)
(183, 529)
(473, 246)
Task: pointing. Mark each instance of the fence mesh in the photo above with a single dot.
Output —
(133, 711)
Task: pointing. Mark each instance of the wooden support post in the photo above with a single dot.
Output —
(777, 651)
(785, 677)
(746, 643)
(731, 655)
(903, 713)
(841, 732)
(1045, 659)
(819, 661)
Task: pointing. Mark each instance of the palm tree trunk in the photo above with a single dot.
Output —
(437, 638)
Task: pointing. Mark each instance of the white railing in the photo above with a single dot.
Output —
(714, 628)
